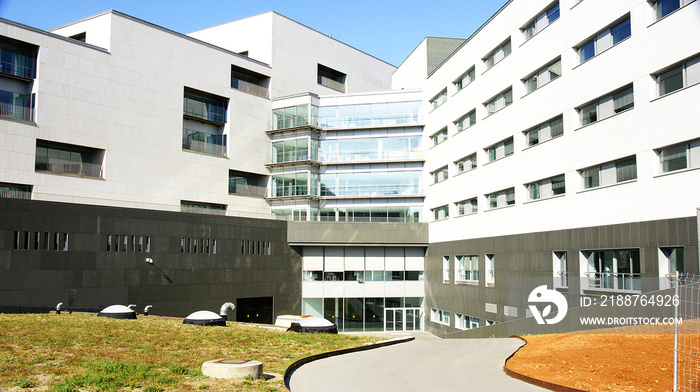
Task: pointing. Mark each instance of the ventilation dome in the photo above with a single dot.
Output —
(314, 325)
(205, 317)
(117, 312)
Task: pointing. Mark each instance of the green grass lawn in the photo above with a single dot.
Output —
(83, 352)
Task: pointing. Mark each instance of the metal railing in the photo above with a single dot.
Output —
(15, 194)
(372, 190)
(614, 281)
(250, 88)
(370, 155)
(24, 71)
(331, 83)
(18, 112)
(245, 189)
(197, 141)
(70, 167)
(563, 280)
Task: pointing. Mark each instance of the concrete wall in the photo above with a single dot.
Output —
(358, 233)
(88, 276)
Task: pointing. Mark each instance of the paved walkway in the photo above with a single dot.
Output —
(420, 365)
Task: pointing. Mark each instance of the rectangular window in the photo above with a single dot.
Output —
(561, 269)
(464, 80)
(200, 105)
(665, 7)
(500, 150)
(606, 106)
(439, 99)
(466, 164)
(604, 40)
(37, 238)
(439, 136)
(68, 159)
(545, 131)
(679, 156)
(498, 54)
(440, 316)
(441, 213)
(466, 121)
(678, 77)
(546, 188)
(612, 269)
(467, 207)
(249, 82)
(466, 322)
(439, 175)
(540, 21)
(501, 199)
(466, 268)
(543, 76)
(331, 78)
(312, 276)
(609, 173)
(15, 191)
(490, 270)
(202, 208)
(499, 102)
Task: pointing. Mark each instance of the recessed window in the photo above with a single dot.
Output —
(541, 21)
(546, 188)
(543, 76)
(439, 99)
(545, 131)
(467, 207)
(243, 183)
(202, 208)
(665, 7)
(250, 82)
(68, 159)
(439, 175)
(500, 150)
(440, 213)
(610, 173)
(498, 54)
(200, 105)
(499, 102)
(466, 322)
(439, 137)
(465, 79)
(440, 316)
(466, 121)
(612, 269)
(604, 40)
(15, 191)
(17, 105)
(446, 269)
(466, 164)
(501, 199)
(607, 106)
(467, 268)
(560, 267)
(679, 156)
(331, 78)
(490, 269)
(678, 77)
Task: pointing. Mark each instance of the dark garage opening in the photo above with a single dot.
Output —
(254, 310)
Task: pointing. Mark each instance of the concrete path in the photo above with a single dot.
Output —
(420, 365)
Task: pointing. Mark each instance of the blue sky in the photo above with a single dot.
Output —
(389, 30)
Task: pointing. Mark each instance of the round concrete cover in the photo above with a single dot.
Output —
(232, 368)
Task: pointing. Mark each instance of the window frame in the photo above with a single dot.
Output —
(544, 15)
(462, 163)
(591, 112)
(600, 37)
(504, 47)
(545, 188)
(459, 82)
(545, 70)
(539, 129)
(459, 123)
(436, 175)
(439, 137)
(682, 69)
(500, 199)
(466, 269)
(461, 206)
(492, 104)
(603, 175)
(439, 99)
(492, 151)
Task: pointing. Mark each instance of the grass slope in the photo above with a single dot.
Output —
(83, 352)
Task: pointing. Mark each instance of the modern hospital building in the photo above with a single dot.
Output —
(265, 163)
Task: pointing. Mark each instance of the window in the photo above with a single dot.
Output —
(665, 7)
(16, 105)
(202, 208)
(498, 54)
(439, 136)
(604, 40)
(439, 175)
(545, 131)
(541, 21)
(499, 102)
(446, 269)
(249, 82)
(466, 164)
(464, 79)
(466, 269)
(18, 59)
(439, 99)
(68, 159)
(441, 213)
(609, 173)
(543, 76)
(15, 191)
(466, 121)
(612, 269)
(312, 276)
(467, 207)
(490, 270)
(546, 188)
(440, 316)
(466, 322)
(204, 106)
(680, 76)
(294, 116)
(679, 156)
(500, 150)
(501, 199)
(671, 260)
(243, 183)
(607, 106)
(561, 269)
(331, 78)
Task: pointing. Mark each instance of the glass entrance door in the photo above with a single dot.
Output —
(402, 319)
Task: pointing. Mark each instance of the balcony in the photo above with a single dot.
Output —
(614, 281)
(250, 88)
(11, 191)
(245, 189)
(205, 107)
(18, 61)
(331, 83)
(66, 166)
(204, 142)
(16, 106)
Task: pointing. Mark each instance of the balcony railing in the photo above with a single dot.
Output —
(17, 112)
(245, 189)
(562, 280)
(24, 66)
(203, 142)
(204, 108)
(250, 88)
(194, 209)
(370, 155)
(15, 194)
(331, 83)
(614, 281)
(372, 190)
(70, 167)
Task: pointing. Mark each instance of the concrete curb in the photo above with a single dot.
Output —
(294, 366)
(535, 381)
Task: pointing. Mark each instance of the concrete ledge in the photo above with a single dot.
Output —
(293, 367)
(535, 381)
(357, 233)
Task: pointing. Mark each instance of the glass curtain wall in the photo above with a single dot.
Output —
(295, 116)
(364, 149)
(370, 183)
(376, 114)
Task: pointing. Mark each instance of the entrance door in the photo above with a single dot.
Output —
(402, 319)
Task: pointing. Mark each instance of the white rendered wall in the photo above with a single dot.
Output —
(651, 124)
